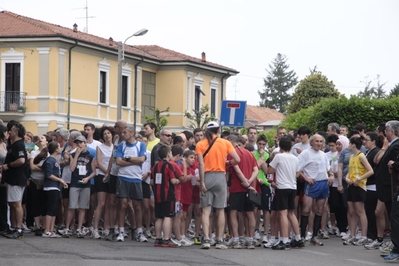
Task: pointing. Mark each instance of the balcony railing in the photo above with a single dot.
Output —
(12, 101)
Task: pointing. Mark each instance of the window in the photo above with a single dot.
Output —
(124, 90)
(213, 102)
(197, 98)
(13, 76)
(147, 94)
(103, 87)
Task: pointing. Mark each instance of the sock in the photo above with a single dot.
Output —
(304, 225)
(122, 230)
(235, 239)
(19, 230)
(285, 240)
(316, 224)
(220, 239)
(297, 237)
(139, 230)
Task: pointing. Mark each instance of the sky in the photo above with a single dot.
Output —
(349, 41)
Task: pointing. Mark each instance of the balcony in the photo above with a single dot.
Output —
(12, 105)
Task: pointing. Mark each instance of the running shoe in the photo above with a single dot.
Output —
(316, 242)
(169, 244)
(349, 241)
(257, 235)
(235, 245)
(386, 247)
(309, 236)
(271, 243)
(141, 238)
(265, 239)
(392, 257)
(16, 235)
(95, 234)
(220, 245)
(158, 242)
(197, 241)
(374, 245)
(206, 244)
(282, 246)
(120, 238)
(250, 245)
(79, 234)
(297, 243)
(46, 234)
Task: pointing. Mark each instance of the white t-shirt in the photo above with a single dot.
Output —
(301, 146)
(314, 164)
(38, 175)
(106, 153)
(286, 166)
(94, 144)
(147, 167)
(333, 159)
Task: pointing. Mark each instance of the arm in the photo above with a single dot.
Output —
(132, 161)
(340, 188)
(99, 155)
(368, 167)
(34, 167)
(74, 161)
(93, 172)
(201, 169)
(236, 159)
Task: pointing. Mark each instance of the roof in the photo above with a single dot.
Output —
(14, 25)
(256, 115)
(270, 123)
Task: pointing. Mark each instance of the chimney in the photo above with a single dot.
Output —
(203, 59)
(75, 27)
(111, 41)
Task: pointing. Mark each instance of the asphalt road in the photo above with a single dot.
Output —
(33, 250)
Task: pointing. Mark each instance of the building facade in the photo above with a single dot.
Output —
(52, 76)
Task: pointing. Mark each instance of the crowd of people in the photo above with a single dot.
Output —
(208, 188)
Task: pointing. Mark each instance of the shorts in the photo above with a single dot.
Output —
(216, 194)
(356, 194)
(99, 185)
(146, 190)
(285, 199)
(265, 198)
(52, 197)
(196, 195)
(129, 190)
(65, 192)
(79, 198)
(240, 202)
(178, 207)
(185, 207)
(112, 184)
(320, 190)
(93, 190)
(15, 193)
(300, 185)
(165, 209)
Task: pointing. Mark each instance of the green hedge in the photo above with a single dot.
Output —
(345, 111)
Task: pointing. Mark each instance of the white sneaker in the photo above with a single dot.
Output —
(346, 237)
(120, 238)
(257, 235)
(105, 233)
(176, 242)
(309, 236)
(185, 242)
(141, 238)
(95, 234)
(188, 240)
(265, 239)
(271, 243)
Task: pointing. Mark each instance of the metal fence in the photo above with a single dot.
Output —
(12, 101)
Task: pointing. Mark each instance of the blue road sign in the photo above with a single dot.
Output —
(233, 113)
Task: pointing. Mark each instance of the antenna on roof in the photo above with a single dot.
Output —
(86, 29)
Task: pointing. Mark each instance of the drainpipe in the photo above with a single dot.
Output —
(135, 93)
(69, 84)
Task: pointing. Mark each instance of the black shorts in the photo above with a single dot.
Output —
(146, 190)
(165, 209)
(356, 194)
(265, 199)
(52, 197)
(240, 202)
(300, 186)
(99, 185)
(285, 199)
(112, 184)
(65, 192)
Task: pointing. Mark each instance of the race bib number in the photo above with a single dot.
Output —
(82, 170)
(158, 178)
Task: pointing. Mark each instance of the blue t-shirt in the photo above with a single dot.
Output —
(51, 167)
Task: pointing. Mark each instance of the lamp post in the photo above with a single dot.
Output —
(121, 58)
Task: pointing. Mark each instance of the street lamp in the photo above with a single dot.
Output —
(121, 58)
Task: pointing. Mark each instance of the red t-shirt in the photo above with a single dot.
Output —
(163, 188)
(246, 165)
(187, 187)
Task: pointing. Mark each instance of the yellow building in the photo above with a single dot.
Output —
(52, 76)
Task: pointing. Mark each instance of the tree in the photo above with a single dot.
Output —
(371, 91)
(158, 119)
(394, 91)
(311, 90)
(277, 84)
(198, 119)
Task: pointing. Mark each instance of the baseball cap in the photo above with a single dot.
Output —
(80, 139)
(212, 124)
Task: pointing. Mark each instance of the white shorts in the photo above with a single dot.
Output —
(15, 193)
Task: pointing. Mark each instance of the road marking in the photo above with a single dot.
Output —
(315, 252)
(362, 262)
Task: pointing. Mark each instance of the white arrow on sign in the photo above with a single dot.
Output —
(233, 106)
